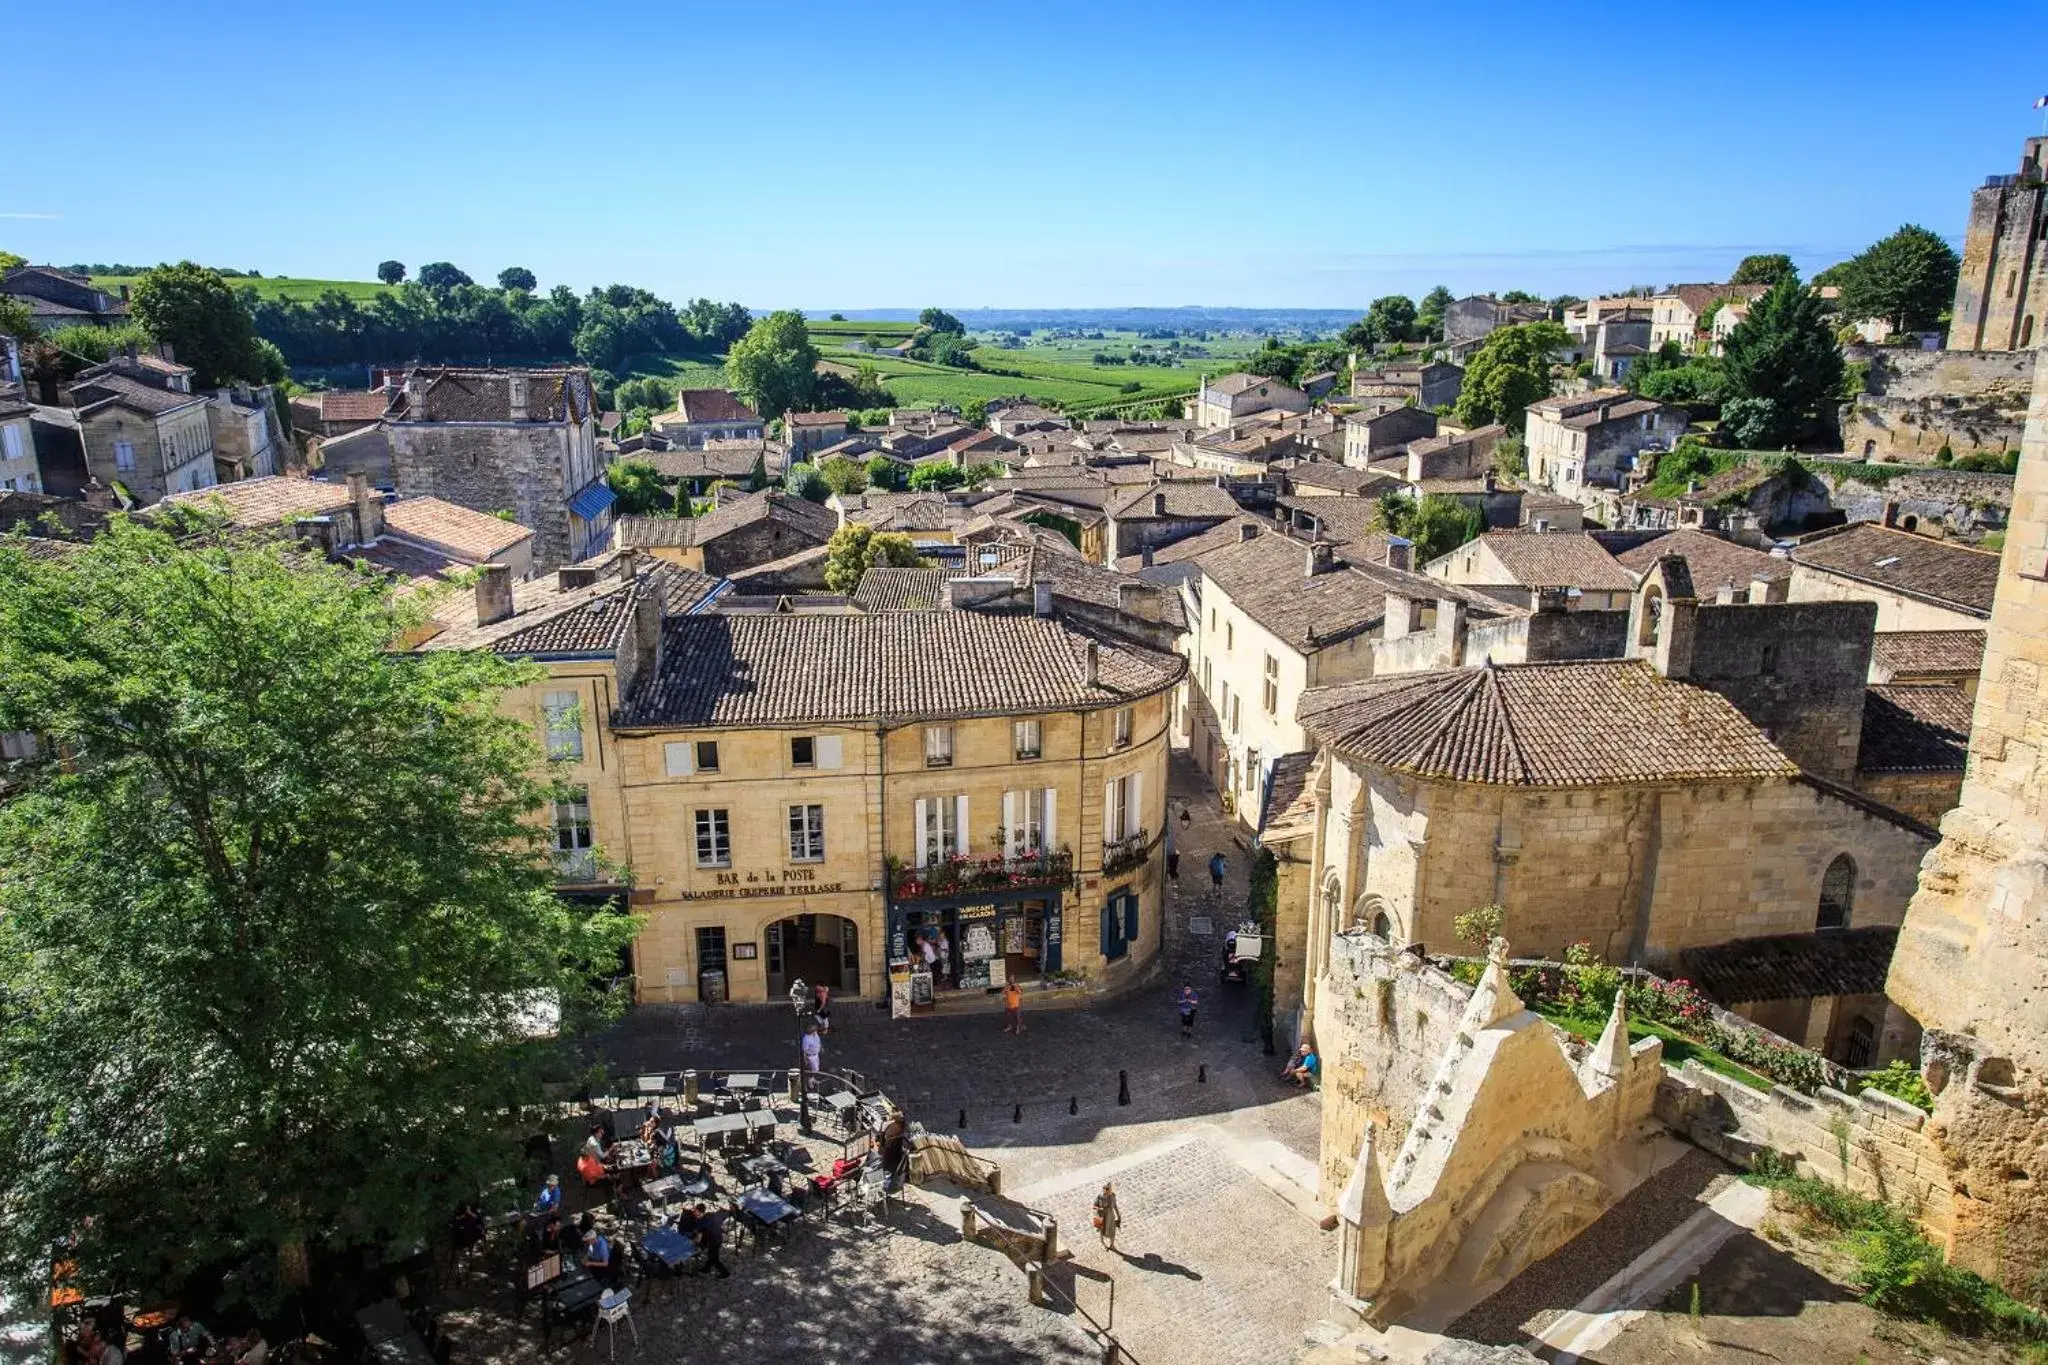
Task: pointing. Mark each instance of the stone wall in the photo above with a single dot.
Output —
(490, 467)
(1797, 670)
(1924, 796)
(761, 541)
(1915, 402)
(1932, 502)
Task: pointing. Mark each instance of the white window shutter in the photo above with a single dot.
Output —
(1135, 819)
(679, 757)
(1110, 818)
(1050, 838)
(1013, 842)
(924, 825)
(826, 751)
(961, 827)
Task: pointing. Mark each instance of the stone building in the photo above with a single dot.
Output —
(1222, 401)
(249, 440)
(1954, 658)
(2002, 288)
(1972, 960)
(19, 472)
(1427, 384)
(702, 415)
(1589, 440)
(819, 796)
(1152, 518)
(1384, 427)
(1915, 404)
(1917, 583)
(737, 534)
(58, 298)
(1677, 314)
(806, 432)
(1470, 320)
(519, 442)
(142, 428)
(1516, 566)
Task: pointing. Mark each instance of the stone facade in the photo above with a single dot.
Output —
(1916, 402)
(2002, 288)
(1940, 502)
(1972, 960)
(152, 455)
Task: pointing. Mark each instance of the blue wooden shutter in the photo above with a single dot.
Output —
(1108, 928)
(1130, 917)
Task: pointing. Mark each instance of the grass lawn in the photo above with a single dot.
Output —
(305, 291)
(686, 370)
(1678, 1049)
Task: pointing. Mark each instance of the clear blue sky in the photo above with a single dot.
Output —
(1043, 154)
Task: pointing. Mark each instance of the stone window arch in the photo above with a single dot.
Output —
(1652, 614)
(1333, 900)
(1370, 913)
(2026, 331)
(1837, 894)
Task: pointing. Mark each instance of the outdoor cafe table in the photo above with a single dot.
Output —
(764, 1208)
(659, 1191)
(765, 1169)
(712, 1128)
(631, 1155)
(743, 1082)
(575, 1290)
(671, 1246)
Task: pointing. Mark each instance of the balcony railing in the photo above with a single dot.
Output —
(576, 865)
(1124, 854)
(962, 875)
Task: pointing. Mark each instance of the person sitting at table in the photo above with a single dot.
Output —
(553, 1237)
(591, 1168)
(650, 1126)
(188, 1340)
(550, 1197)
(598, 1258)
(468, 1228)
(597, 1144)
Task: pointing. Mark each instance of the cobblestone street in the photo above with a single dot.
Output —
(1213, 1157)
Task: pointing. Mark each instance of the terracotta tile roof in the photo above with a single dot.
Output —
(905, 512)
(456, 394)
(715, 460)
(1235, 384)
(352, 405)
(1356, 483)
(257, 504)
(1053, 560)
(1914, 728)
(1290, 798)
(113, 387)
(1184, 501)
(1928, 651)
(1201, 543)
(1267, 578)
(1700, 297)
(713, 405)
(885, 667)
(887, 589)
(592, 619)
(815, 419)
(1935, 571)
(683, 532)
(471, 534)
(1713, 561)
(1553, 559)
(1348, 523)
(1793, 966)
(1583, 724)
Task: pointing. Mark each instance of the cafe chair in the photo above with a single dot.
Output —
(614, 1308)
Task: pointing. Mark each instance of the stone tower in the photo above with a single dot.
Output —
(1972, 959)
(2002, 290)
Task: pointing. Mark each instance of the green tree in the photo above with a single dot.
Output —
(936, 478)
(207, 918)
(939, 320)
(441, 277)
(1908, 279)
(885, 474)
(639, 488)
(804, 481)
(203, 318)
(1763, 269)
(842, 475)
(517, 277)
(854, 549)
(1782, 370)
(391, 272)
(16, 320)
(1509, 371)
(1391, 318)
(949, 348)
(774, 364)
(1429, 317)
(10, 260)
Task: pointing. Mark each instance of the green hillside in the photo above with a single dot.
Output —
(270, 287)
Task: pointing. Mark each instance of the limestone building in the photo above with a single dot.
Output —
(1918, 583)
(1220, 402)
(1516, 566)
(2002, 288)
(1586, 441)
(1972, 960)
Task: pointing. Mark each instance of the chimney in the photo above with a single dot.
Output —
(515, 386)
(1769, 589)
(1402, 615)
(1139, 601)
(317, 532)
(1450, 631)
(571, 576)
(368, 507)
(1552, 600)
(1320, 558)
(493, 593)
(629, 564)
(1246, 530)
(1159, 504)
(1724, 596)
(1091, 664)
(1605, 409)
(1401, 554)
(1041, 599)
(1891, 514)
(1489, 482)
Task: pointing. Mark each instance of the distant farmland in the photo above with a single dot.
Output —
(285, 287)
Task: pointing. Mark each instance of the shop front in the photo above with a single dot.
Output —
(971, 945)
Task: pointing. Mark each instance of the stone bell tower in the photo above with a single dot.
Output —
(1972, 960)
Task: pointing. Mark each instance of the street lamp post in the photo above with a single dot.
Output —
(799, 999)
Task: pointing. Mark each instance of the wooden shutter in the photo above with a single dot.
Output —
(960, 825)
(924, 824)
(1130, 917)
(1012, 840)
(1134, 820)
(825, 751)
(679, 757)
(1108, 927)
(1048, 839)
(1110, 818)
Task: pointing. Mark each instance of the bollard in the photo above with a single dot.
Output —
(967, 1219)
(1017, 1114)
(1034, 1283)
(995, 1181)
(1052, 1240)
(1073, 1104)
(796, 1086)
(1202, 1074)
(1111, 1352)
(690, 1087)
(1123, 1088)
(963, 1118)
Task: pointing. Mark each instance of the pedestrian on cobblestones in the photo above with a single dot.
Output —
(709, 1228)
(1172, 855)
(1107, 1216)
(1013, 1008)
(1186, 1002)
(1217, 865)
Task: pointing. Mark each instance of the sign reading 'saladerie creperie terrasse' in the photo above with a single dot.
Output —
(795, 881)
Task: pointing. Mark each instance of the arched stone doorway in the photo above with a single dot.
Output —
(818, 948)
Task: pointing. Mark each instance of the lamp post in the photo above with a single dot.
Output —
(799, 999)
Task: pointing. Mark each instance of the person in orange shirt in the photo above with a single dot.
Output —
(1013, 1008)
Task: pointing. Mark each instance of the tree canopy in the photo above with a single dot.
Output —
(854, 549)
(1429, 317)
(201, 316)
(440, 275)
(1782, 370)
(802, 480)
(639, 488)
(1509, 371)
(1391, 318)
(939, 320)
(1908, 279)
(936, 478)
(1763, 269)
(885, 474)
(842, 475)
(1437, 525)
(391, 272)
(774, 364)
(274, 913)
(517, 277)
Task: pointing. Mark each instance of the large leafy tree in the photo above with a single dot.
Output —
(1429, 318)
(939, 320)
(1391, 318)
(206, 322)
(274, 915)
(1781, 370)
(1437, 525)
(639, 488)
(1908, 279)
(517, 277)
(441, 276)
(1509, 371)
(854, 549)
(391, 272)
(885, 474)
(1768, 268)
(774, 364)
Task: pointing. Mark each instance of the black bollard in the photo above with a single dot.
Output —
(963, 1118)
(1202, 1074)
(1123, 1088)
(1017, 1114)
(1073, 1104)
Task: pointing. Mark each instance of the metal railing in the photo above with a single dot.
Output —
(1122, 855)
(960, 876)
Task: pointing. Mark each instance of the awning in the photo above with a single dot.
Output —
(593, 501)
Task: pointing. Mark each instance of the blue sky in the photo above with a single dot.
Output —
(1044, 154)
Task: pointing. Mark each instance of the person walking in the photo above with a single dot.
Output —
(1218, 864)
(1172, 855)
(1186, 1002)
(709, 1229)
(1013, 1008)
(814, 1055)
(1107, 1216)
(821, 1007)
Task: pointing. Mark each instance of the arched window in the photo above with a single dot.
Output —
(1332, 894)
(1653, 615)
(1383, 926)
(1370, 912)
(1869, 448)
(2026, 331)
(1837, 892)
